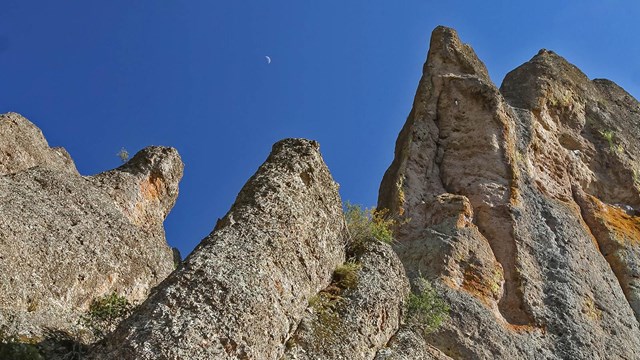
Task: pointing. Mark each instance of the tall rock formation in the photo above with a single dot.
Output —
(522, 207)
(68, 239)
(244, 289)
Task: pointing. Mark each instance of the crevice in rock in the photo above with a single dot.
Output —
(495, 222)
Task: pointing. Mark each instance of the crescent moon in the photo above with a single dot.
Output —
(268, 59)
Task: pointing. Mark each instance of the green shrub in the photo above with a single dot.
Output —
(368, 224)
(346, 275)
(609, 136)
(105, 314)
(325, 305)
(426, 309)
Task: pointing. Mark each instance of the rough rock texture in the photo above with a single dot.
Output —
(523, 205)
(409, 345)
(358, 321)
(244, 289)
(66, 241)
(146, 187)
(22, 146)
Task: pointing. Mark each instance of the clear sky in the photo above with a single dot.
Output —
(97, 76)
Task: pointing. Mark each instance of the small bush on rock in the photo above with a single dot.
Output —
(426, 309)
(368, 224)
(346, 275)
(105, 314)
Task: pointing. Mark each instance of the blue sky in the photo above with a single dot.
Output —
(97, 76)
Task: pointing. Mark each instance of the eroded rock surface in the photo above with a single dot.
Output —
(22, 146)
(523, 208)
(353, 323)
(244, 289)
(66, 241)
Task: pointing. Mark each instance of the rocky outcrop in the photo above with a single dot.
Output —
(523, 209)
(354, 321)
(68, 239)
(22, 146)
(244, 289)
(519, 207)
(146, 187)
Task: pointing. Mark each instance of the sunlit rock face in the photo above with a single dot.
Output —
(522, 205)
(243, 290)
(519, 204)
(68, 239)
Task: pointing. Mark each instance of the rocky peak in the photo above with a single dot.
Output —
(509, 197)
(67, 239)
(146, 187)
(22, 146)
(447, 54)
(245, 288)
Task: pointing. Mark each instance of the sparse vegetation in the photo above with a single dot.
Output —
(346, 275)
(123, 154)
(105, 314)
(368, 225)
(609, 136)
(425, 309)
(325, 305)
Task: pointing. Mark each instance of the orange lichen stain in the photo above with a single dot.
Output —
(624, 226)
(480, 285)
(152, 188)
(591, 310)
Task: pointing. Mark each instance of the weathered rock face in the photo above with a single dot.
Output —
(244, 289)
(354, 323)
(68, 239)
(523, 205)
(22, 146)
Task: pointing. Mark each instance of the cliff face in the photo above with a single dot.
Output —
(68, 239)
(519, 205)
(523, 208)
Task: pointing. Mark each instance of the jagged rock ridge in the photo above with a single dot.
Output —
(67, 239)
(248, 290)
(523, 205)
(519, 204)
